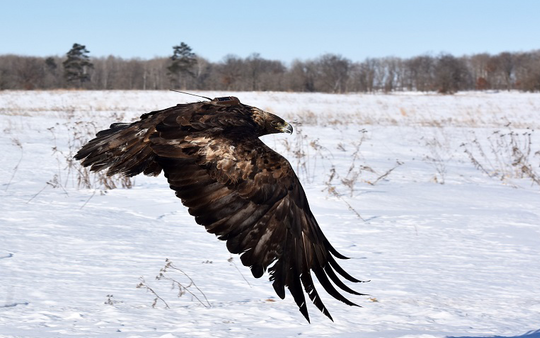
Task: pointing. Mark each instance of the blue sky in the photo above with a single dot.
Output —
(280, 30)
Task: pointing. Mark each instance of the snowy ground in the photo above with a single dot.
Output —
(450, 245)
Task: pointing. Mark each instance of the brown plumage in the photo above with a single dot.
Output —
(237, 187)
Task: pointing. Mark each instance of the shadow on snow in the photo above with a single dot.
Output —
(530, 334)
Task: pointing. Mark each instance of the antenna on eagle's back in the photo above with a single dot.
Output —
(181, 92)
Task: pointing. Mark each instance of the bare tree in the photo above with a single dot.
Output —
(203, 73)
(273, 75)
(528, 71)
(364, 75)
(392, 70)
(333, 72)
(29, 72)
(450, 74)
(420, 70)
(262, 74)
(302, 76)
(156, 75)
(478, 65)
(254, 68)
(230, 70)
(506, 67)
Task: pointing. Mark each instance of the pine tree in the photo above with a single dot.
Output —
(77, 65)
(183, 61)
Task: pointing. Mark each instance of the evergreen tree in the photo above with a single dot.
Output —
(50, 64)
(53, 75)
(77, 65)
(183, 61)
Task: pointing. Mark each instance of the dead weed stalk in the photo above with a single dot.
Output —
(166, 274)
(505, 155)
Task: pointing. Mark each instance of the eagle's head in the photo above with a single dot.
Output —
(269, 123)
(266, 123)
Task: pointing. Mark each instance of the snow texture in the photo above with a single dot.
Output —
(451, 248)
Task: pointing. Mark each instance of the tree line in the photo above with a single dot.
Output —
(330, 73)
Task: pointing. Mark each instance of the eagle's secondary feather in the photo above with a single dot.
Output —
(233, 184)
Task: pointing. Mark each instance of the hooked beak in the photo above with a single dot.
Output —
(286, 128)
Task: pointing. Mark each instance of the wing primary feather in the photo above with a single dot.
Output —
(307, 280)
(339, 283)
(323, 279)
(342, 272)
(333, 250)
(277, 276)
(295, 287)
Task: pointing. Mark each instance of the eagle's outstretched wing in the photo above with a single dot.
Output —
(234, 185)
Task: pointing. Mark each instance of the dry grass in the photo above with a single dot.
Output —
(439, 152)
(174, 275)
(505, 155)
(70, 170)
(18, 144)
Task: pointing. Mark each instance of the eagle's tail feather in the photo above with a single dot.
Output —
(122, 149)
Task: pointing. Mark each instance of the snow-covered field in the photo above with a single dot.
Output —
(435, 198)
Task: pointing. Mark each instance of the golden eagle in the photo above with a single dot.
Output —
(237, 187)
